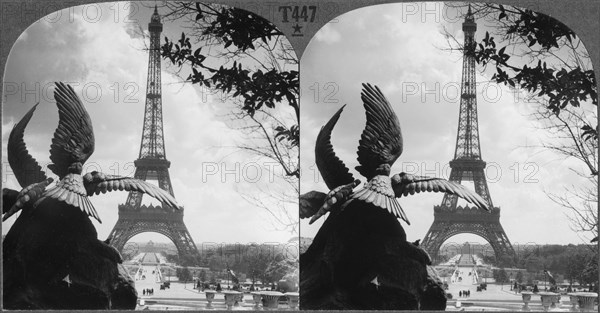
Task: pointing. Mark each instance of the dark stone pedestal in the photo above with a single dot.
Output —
(360, 260)
(55, 241)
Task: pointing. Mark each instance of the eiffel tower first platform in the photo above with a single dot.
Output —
(467, 165)
(152, 164)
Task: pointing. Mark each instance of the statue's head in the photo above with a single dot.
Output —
(383, 169)
(75, 168)
(94, 177)
(396, 179)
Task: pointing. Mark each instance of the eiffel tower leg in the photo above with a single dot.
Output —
(434, 238)
(120, 234)
(500, 243)
(184, 241)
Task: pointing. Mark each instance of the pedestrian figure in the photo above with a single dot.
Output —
(460, 293)
(144, 292)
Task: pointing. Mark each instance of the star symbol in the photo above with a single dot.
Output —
(376, 283)
(67, 280)
(297, 28)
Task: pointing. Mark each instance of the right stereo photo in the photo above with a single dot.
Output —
(449, 156)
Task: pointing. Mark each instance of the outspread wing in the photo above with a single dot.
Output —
(405, 184)
(336, 198)
(74, 137)
(24, 166)
(71, 191)
(378, 191)
(381, 140)
(332, 169)
(310, 203)
(28, 195)
(96, 183)
(9, 198)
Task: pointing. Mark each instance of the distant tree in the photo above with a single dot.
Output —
(489, 259)
(293, 279)
(189, 260)
(582, 266)
(506, 261)
(500, 276)
(172, 258)
(590, 270)
(519, 277)
(278, 268)
(202, 276)
(183, 274)
(258, 260)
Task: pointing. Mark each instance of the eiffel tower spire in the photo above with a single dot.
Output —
(467, 163)
(467, 137)
(152, 162)
(153, 144)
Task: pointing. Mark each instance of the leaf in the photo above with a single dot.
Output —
(589, 133)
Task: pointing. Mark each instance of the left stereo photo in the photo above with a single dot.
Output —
(150, 160)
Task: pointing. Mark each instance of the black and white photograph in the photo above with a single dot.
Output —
(449, 156)
(272, 155)
(150, 160)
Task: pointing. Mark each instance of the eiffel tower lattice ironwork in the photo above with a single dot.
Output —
(467, 165)
(152, 164)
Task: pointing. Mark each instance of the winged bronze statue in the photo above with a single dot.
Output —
(379, 147)
(72, 145)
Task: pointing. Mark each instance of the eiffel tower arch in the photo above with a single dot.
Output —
(467, 165)
(152, 164)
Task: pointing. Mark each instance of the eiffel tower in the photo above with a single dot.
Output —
(467, 165)
(152, 164)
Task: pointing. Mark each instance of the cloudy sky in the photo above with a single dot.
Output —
(99, 50)
(399, 48)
